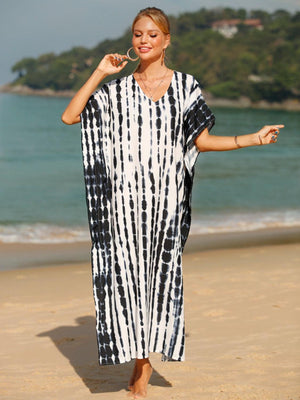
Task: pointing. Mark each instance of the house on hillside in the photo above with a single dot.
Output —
(229, 27)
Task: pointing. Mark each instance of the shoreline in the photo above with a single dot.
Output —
(243, 102)
(24, 255)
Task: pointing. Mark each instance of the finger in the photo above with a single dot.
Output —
(111, 58)
(119, 57)
(274, 132)
(122, 63)
(275, 129)
(114, 58)
(273, 138)
(278, 127)
(118, 60)
(123, 56)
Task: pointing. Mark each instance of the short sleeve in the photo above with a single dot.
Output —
(197, 117)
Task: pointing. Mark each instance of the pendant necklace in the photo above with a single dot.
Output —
(149, 91)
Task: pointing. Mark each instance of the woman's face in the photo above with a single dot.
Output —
(148, 40)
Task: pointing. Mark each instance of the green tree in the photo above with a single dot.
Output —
(25, 66)
(260, 64)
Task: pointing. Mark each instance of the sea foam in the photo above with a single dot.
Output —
(208, 224)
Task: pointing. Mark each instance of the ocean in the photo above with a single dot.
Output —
(42, 190)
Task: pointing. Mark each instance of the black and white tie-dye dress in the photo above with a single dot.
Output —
(139, 158)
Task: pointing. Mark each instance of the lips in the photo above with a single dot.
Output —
(144, 49)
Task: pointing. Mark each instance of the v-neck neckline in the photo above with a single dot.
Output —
(149, 98)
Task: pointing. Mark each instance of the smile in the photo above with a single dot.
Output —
(144, 49)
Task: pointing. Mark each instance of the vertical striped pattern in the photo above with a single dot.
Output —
(139, 158)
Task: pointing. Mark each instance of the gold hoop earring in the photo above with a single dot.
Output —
(128, 55)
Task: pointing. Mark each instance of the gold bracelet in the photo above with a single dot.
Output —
(236, 142)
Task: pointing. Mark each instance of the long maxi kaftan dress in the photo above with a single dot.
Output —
(139, 158)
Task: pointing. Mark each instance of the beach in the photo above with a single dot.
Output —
(242, 307)
(241, 267)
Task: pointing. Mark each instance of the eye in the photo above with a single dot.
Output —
(137, 35)
(153, 35)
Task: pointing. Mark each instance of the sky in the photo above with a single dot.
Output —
(33, 27)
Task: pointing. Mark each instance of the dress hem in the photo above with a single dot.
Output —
(164, 358)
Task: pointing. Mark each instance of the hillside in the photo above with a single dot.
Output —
(232, 53)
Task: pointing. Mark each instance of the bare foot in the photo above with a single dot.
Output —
(141, 379)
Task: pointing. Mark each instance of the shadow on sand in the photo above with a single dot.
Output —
(78, 344)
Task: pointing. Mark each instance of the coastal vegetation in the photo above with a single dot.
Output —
(259, 59)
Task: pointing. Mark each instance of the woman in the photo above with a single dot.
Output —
(141, 136)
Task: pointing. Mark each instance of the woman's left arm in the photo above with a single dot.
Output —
(206, 142)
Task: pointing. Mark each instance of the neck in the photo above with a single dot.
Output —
(151, 70)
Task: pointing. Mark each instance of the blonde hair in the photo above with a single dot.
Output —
(157, 16)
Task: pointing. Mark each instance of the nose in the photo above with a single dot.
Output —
(143, 38)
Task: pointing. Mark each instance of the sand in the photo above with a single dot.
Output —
(242, 322)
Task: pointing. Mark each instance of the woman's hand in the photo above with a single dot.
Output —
(112, 64)
(268, 134)
(206, 142)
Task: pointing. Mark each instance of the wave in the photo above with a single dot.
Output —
(42, 233)
(206, 224)
(243, 222)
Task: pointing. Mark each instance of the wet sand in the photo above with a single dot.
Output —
(24, 255)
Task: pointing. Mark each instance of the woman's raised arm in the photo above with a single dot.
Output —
(206, 142)
(110, 64)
